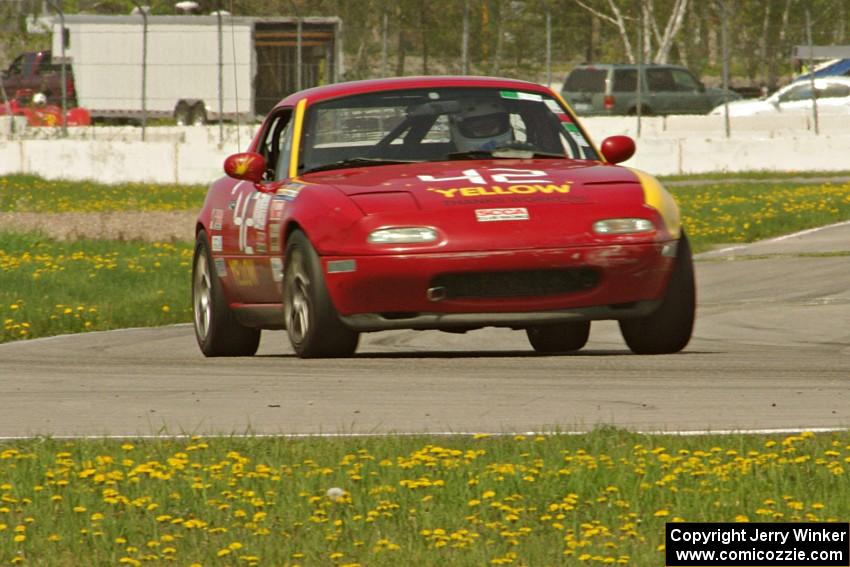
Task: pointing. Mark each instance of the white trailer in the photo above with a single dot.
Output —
(254, 61)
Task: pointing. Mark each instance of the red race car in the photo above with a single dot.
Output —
(448, 203)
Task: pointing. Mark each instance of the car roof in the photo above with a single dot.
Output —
(337, 90)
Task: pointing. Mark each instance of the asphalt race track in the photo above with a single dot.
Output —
(771, 351)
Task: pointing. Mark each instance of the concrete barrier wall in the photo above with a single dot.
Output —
(667, 146)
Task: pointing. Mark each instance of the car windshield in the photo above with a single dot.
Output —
(438, 124)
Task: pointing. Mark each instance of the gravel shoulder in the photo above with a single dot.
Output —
(148, 226)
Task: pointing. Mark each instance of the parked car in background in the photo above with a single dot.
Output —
(37, 72)
(611, 89)
(833, 96)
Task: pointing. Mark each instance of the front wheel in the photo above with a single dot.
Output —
(312, 323)
(561, 337)
(216, 328)
(667, 329)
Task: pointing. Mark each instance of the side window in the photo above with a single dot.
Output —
(625, 80)
(834, 90)
(800, 92)
(276, 146)
(660, 80)
(685, 82)
(15, 67)
(29, 64)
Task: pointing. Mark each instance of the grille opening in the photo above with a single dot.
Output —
(520, 283)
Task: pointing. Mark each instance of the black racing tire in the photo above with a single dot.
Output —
(560, 337)
(216, 328)
(198, 115)
(182, 114)
(668, 329)
(312, 322)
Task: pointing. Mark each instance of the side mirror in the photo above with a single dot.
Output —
(617, 149)
(249, 166)
(701, 87)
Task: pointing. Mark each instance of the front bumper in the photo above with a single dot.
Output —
(392, 291)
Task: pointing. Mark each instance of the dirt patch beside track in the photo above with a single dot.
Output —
(158, 226)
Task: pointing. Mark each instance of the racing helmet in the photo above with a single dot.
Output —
(481, 125)
(39, 99)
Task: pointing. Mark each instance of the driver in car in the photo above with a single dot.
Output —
(481, 125)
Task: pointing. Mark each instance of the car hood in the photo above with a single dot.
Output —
(473, 182)
(504, 204)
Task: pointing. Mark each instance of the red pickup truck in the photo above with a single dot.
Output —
(35, 72)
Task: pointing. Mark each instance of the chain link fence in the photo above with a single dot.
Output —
(249, 64)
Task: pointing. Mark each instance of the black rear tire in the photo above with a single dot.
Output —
(312, 322)
(182, 114)
(668, 329)
(561, 337)
(198, 116)
(216, 328)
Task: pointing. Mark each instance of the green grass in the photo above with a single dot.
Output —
(755, 175)
(26, 193)
(734, 213)
(598, 498)
(49, 287)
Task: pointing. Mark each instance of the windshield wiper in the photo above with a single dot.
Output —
(503, 153)
(358, 162)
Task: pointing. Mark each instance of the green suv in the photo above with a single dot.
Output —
(610, 89)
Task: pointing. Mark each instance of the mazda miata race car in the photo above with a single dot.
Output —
(448, 203)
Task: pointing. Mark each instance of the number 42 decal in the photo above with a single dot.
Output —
(507, 175)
